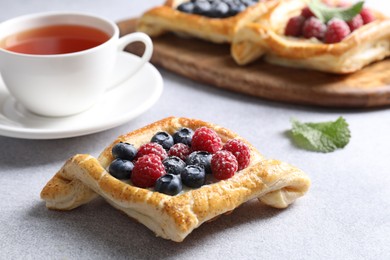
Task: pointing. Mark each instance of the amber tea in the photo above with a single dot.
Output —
(55, 39)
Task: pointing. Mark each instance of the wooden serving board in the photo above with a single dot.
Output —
(212, 64)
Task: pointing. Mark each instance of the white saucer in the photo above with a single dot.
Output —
(127, 101)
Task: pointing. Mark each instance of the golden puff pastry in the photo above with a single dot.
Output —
(83, 178)
(265, 38)
(167, 18)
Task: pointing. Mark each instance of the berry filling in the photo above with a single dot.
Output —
(337, 31)
(355, 23)
(224, 165)
(174, 165)
(240, 150)
(215, 8)
(151, 148)
(121, 169)
(169, 184)
(124, 151)
(183, 136)
(152, 167)
(193, 176)
(294, 26)
(206, 139)
(180, 150)
(313, 28)
(147, 170)
(367, 16)
(164, 139)
(328, 30)
(200, 158)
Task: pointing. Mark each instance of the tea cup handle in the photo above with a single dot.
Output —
(126, 40)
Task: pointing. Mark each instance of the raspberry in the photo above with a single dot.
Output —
(306, 12)
(355, 23)
(337, 31)
(313, 27)
(180, 150)
(240, 150)
(294, 26)
(206, 139)
(147, 170)
(367, 16)
(223, 165)
(151, 148)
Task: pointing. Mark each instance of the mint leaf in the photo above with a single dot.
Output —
(321, 137)
(325, 13)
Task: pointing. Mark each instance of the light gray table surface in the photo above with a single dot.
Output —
(345, 215)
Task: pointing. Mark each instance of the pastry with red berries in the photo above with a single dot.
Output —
(211, 20)
(330, 36)
(174, 192)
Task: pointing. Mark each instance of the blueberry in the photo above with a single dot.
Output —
(216, 8)
(183, 135)
(187, 7)
(121, 169)
(164, 139)
(193, 176)
(236, 8)
(124, 151)
(248, 2)
(219, 9)
(201, 7)
(174, 165)
(200, 158)
(169, 184)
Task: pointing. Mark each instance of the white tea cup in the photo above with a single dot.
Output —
(63, 84)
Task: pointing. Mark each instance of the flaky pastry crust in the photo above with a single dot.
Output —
(83, 178)
(167, 18)
(265, 38)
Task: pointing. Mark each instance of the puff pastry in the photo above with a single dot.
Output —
(264, 38)
(83, 178)
(166, 18)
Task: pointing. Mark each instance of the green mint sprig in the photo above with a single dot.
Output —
(325, 13)
(321, 137)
